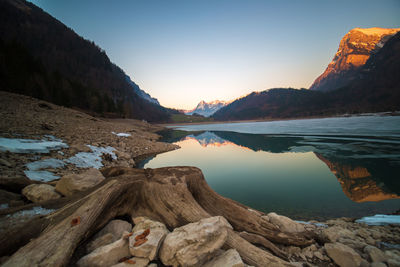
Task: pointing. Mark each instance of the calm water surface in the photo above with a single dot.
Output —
(303, 169)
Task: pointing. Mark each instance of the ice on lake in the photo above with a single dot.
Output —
(380, 219)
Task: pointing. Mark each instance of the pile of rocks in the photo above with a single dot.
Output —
(68, 185)
(150, 243)
(348, 244)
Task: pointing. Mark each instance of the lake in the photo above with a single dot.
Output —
(304, 169)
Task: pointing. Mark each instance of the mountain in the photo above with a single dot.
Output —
(41, 57)
(207, 109)
(358, 183)
(354, 50)
(375, 89)
(141, 92)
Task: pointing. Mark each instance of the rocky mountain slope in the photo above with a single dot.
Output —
(41, 57)
(375, 89)
(354, 50)
(141, 92)
(207, 109)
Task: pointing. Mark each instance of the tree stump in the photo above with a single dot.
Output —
(173, 195)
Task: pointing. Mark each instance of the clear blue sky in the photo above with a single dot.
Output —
(185, 51)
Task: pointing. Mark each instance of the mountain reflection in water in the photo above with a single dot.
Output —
(366, 168)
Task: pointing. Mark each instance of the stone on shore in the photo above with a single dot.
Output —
(99, 242)
(152, 233)
(229, 258)
(40, 192)
(106, 255)
(284, 223)
(332, 234)
(195, 243)
(375, 254)
(73, 183)
(343, 255)
(116, 228)
(133, 262)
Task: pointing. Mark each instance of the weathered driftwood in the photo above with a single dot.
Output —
(173, 195)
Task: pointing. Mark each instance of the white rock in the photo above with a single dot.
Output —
(40, 192)
(107, 255)
(116, 228)
(149, 249)
(133, 262)
(99, 242)
(194, 243)
(284, 223)
(229, 258)
(343, 255)
(73, 183)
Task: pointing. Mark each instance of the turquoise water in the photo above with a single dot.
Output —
(302, 176)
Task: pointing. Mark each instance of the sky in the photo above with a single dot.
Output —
(184, 51)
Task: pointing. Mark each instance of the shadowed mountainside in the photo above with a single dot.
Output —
(376, 89)
(41, 57)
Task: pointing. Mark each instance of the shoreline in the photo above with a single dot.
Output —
(126, 192)
(386, 113)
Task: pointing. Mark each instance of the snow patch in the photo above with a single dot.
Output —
(380, 219)
(46, 163)
(3, 206)
(44, 176)
(44, 145)
(91, 159)
(121, 134)
(34, 168)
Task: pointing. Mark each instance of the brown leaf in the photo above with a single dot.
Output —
(142, 235)
(130, 261)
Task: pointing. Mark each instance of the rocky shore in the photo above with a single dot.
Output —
(75, 198)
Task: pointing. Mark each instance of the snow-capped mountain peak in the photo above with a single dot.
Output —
(207, 109)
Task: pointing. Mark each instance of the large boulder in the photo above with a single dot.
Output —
(107, 255)
(147, 238)
(284, 223)
(110, 233)
(332, 234)
(229, 258)
(99, 242)
(40, 192)
(116, 228)
(73, 183)
(343, 255)
(195, 243)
